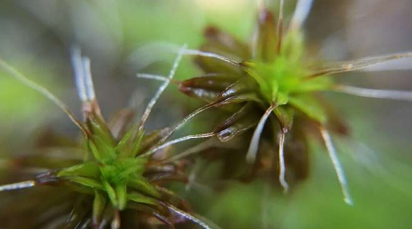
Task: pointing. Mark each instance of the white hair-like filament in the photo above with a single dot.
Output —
(82, 75)
(337, 165)
(78, 72)
(190, 52)
(178, 140)
(302, 11)
(186, 119)
(195, 52)
(188, 216)
(91, 95)
(19, 185)
(152, 77)
(84, 82)
(375, 93)
(26, 81)
(195, 149)
(282, 165)
(198, 148)
(163, 86)
(157, 78)
(356, 65)
(254, 143)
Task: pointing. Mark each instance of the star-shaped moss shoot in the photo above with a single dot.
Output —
(275, 75)
(118, 173)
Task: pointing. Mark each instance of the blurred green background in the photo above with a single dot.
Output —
(35, 36)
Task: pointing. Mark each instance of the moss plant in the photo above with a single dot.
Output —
(269, 94)
(275, 78)
(117, 178)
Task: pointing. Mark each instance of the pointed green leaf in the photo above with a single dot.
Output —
(309, 106)
(131, 166)
(99, 204)
(121, 193)
(130, 144)
(141, 199)
(87, 169)
(126, 139)
(106, 151)
(263, 76)
(137, 143)
(141, 184)
(312, 85)
(92, 183)
(111, 193)
(94, 150)
(99, 128)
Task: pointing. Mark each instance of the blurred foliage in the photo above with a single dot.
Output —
(382, 199)
(111, 32)
(21, 103)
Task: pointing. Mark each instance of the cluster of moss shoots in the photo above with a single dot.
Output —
(273, 74)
